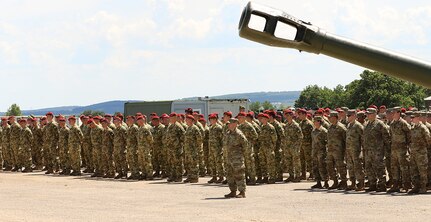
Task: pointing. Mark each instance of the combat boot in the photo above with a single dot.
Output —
(406, 187)
(178, 180)
(342, 185)
(196, 180)
(252, 181)
(271, 181)
(118, 176)
(279, 179)
(352, 185)
(381, 187)
(326, 185)
(360, 186)
(389, 183)
(170, 180)
(303, 176)
(14, 169)
(76, 173)
(296, 180)
(373, 187)
(414, 190)
(289, 179)
(224, 181)
(163, 175)
(423, 190)
(213, 180)
(259, 180)
(27, 170)
(265, 180)
(334, 186)
(149, 178)
(49, 171)
(241, 195)
(318, 185)
(232, 194)
(186, 180)
(220, 180)
(395, 187)
(156, 174)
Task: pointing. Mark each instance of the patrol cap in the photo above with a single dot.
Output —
(371, 111)
(333, 114)
(241, 107)
(232, 120)
(351, 112)
(396, 109)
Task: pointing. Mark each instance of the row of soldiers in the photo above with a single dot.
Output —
(326, 144)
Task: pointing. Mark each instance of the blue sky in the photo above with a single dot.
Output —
(55, 53)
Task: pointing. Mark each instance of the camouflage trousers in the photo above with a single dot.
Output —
(292, 161)
(164, 160)
(278, 158)
(374, 165)
(24, 157)
(156, 158)
(97, 159)
(429, 164)
(144, 161)
(335, 164)
(191, 160)
(388, 161)
(236, 177)
(49, 157)
(354, 164)
(267, 162)
(7, 162)
(257, 160)
(201, 161)
(306, 157)
(87, 155)
(176, 162)
(250, 170)
(14, 154)
(132, 160)
(205, 161)
(216, 162)
(400, 159)
(106, 162)
(75, 157)
(64, 158)
(319, 165)
(36, 155)
(419, 165)
(119, 158)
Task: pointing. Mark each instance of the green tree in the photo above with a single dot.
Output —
(267, 105)
(93, 113)
(14, 110)
(255, 106)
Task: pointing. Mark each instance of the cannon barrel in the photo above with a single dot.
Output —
(280, 29)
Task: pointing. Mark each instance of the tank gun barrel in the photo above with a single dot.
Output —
(276, 28)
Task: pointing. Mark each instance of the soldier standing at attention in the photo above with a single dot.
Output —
(145, 144)
(292, 144)
(319, 138)
(420, 141)
(132, 148)
(36, 149)
(215, 143)
(306, 128)
(375, 132)
(15, 134)
(164, 152)
(107, 163)
(354, 134)
(236, 144)
(250, 133)
(278, 152)
(5, 144)
(63, 147)
(87, 159)
(158, 160)
(205, 148)
(119, 152)
(400, 138)
(174, 143)
(250, 118)
(24, 153)
(75, 141)
(50, 142)
(267, 140)
(96, 144)
(192, 149)
(108, 118)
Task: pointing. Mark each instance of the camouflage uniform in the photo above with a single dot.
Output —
(375, 133)
(205, 148)
(24, 153)
(87, 150)
(215, 143)
(63, 160)
(50, 140)
(75, 141)
(145, 145)
(132, 149)
(119, 152)
(37, 145)
(354, 134)
(107, 164)
(236, 145)
(192, 150)
(250, 133)
(202, 166)
(400, 132)
(387, 145)
(319, 138)
(336, 150)
(15, 134)
(420, 141)
(96, 145)
(292, 144)
(278, 152)
(174, 143)
(428, 125)
(267, 140)
(157, 154)
(256, 150)
(305, 154)
(6, 152)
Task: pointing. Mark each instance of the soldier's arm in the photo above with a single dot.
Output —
(427, 136)
(406, 130)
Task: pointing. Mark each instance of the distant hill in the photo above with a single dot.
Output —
(284, 97)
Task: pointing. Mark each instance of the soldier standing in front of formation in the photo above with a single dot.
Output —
(107, 164)
(420, 141)
(174, 143)
(96, 145)
(235, 143)
(132, 148)
(291, 145)
(63, 147)
(375, 133)
(24, 153)
(50, 142)
(192, 149)
(306, 128)
(119, 152)
(15, 133)
(145, 144)
(400, 138)
(267, 140)
(159, 164)
(5, 144)
(319, 137)
(75, 142)
(354, 134)
(250, 133)
(215, 143)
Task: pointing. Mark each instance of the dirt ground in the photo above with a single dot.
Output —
(39, 197)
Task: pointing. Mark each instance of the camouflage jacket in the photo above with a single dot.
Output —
(193, 141)
(145, 138)
(292, 135)
(108, 141)
(15, 133)
(306, 128)
(97, 137)
(158, 132)
(354, 134)
(236, 143)
(132, 138)
(5, 136)
(268, 137)
(249, 132)
(175, 137)
(215, 138)
(63, 138)
(400, 132)
(375, 135)
(50, 136)
(337, 137)
(75, 137)
(319, 139)
(26, 138)
(420, 138)
(280, 132)
(120, 139)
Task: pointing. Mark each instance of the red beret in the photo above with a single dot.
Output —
(4, 119)
(263, 115)
(202, 120)
(139, 118)
(272, 113)
(90, 121)
(327, 109)
(138, 114)
(195, 113)
(382, 107)
(182, 115)
(117, 118)
(155, 117)
(10, 117)
(49, 114)
(242, 114)
(190, 117)
(308, 115)
(61, 119)
(201, 115)
(228, 113)
(189, 110)
(302, 111)
(403, 110)
(97, 118)
(373, 106)
(288, 111)
(319, 111)
(212, 116)
(72, 117)
(108, 115)
(130, 117)
(164, 115)
(173, 115)
(23, 120)
(251, 113)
